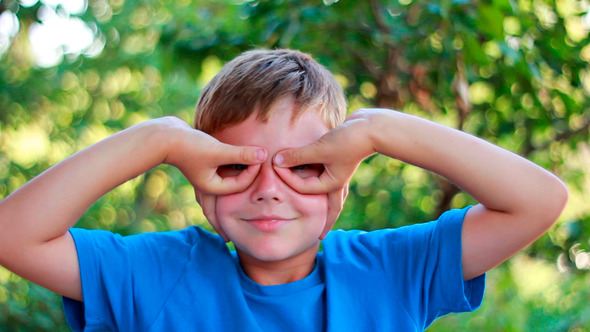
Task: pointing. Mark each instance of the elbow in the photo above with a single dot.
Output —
(562, 197)
(557, 200)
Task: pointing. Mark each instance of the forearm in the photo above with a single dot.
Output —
(519, 200)
(50, 204)
(498, 179)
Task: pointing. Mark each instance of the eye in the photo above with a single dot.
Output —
(308, 170)
(226, 171)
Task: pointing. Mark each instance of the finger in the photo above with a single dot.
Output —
(207, 203)
(335, 205)
(239, 183)
(309, 185)
(246, 155)
(214, 184)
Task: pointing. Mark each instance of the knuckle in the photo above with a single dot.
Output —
(293, 157)
(245, 155)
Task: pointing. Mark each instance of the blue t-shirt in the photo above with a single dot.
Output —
(393, 279)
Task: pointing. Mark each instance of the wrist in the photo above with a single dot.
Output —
(379, 126)
(170, 134)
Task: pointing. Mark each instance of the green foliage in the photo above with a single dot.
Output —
(513, 72)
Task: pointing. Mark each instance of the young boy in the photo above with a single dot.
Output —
(270, 164)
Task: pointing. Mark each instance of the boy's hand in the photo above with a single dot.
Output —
(207, 203)
(198, 156)
(340, 151)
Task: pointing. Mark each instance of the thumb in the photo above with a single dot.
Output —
(308, 154)
(246, 155)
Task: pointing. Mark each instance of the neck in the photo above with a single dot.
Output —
(288, 270)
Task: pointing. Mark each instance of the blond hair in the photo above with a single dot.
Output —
(256, 80)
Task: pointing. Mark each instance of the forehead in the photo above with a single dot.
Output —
(279, 132)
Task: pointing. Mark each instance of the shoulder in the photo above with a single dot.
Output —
(189, 236)
(418, 267)
(155, 247)
(403, 245)
(123, 275)
(449, 222)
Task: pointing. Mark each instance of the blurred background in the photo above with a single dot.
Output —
(515, 72)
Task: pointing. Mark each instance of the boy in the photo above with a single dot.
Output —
(270, 163)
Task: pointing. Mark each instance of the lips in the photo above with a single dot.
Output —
(268, 223)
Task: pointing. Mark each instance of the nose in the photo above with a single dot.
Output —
(268, 186)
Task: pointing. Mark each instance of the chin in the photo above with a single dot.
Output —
(269, 254)
(277, 253)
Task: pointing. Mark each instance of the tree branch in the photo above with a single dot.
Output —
(376, 11)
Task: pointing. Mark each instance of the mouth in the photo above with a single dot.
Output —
(268, 223)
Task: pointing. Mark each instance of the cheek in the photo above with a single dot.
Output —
(312, 205)
(227, 204)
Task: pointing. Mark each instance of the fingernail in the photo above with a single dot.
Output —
(260, 155)
(279, 159)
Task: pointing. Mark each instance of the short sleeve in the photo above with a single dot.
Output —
(411, 274)
(431, 268)
(445, 289)
(125, 280)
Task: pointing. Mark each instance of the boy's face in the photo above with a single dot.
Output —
(269, 221)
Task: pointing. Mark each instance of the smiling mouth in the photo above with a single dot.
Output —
(268, 223)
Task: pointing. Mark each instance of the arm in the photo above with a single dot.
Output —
(518, 200)
(35, 219)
